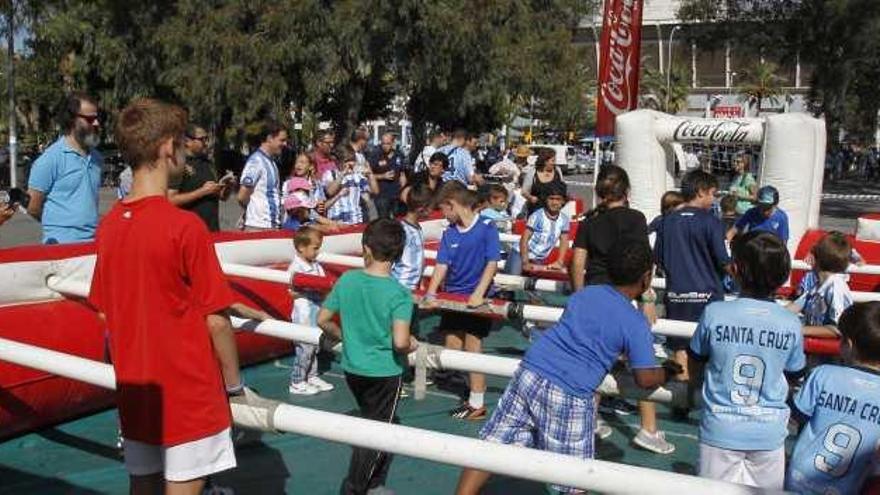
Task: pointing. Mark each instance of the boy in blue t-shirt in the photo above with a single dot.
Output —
(546, 227)
(549, 403)
(466, 261)
(691, 252)
(838, 450)
(765, 216)
(748, 348)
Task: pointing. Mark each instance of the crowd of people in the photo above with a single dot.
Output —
(746, 356)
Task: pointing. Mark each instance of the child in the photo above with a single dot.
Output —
(466, 262)
(408, 269)
(160, 289)
(728, 212)
(765, 216)
(546, 228)
(690, 249)
(496, 207)
(549, 403)
(838, 450)
(304, 378)
(670, 201)
(825, 300)
(298, 204)
(748, 346)
(375, 311)
(344, 187)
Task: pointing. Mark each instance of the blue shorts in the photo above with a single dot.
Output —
(534, 412)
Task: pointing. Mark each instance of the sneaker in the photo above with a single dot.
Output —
(380, 490)
(404, 393)
(617, 406)
(655, 442)
(302, 388)
(465, 411)
(660, 350)
(602, 431)
(320, 384)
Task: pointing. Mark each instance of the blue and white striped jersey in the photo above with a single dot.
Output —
(347, 209)
(264, 208)
(461, 164)
(408, 270)
(545, 233)
(822, 304)
(305, 308)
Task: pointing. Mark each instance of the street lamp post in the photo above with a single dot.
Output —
(669, 66)
(10, 88)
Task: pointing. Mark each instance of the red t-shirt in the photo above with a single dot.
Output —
(156, 279)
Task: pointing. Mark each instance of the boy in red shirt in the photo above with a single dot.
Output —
(158, 284)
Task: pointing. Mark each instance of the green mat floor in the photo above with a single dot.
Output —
(80, 457)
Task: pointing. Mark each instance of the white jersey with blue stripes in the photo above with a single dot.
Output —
(408, 270)
(264, 208)
(546, 232)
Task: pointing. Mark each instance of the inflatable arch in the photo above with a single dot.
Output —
(792, 157)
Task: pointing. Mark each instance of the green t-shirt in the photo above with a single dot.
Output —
(742, 185)
(368, 305)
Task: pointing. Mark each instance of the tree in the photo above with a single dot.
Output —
(838, 38)
(657, 95)
(762, 84)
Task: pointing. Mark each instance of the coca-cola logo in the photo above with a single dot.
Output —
(714, 131)
(615, 90)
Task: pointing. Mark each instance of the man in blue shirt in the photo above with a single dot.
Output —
(765, 216)
(65, 180)
(838, 450)
(549, 402)
(461, 160)
(749, 348)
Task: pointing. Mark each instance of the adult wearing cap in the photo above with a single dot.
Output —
(765, 215)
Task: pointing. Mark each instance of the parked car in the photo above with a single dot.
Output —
(565, 156)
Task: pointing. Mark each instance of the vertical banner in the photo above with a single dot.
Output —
(619, 62)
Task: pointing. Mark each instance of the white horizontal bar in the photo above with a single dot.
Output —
(519, 462)
(864, 269)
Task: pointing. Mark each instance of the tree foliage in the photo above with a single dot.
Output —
(455, 62)
(838, 39)
(655, 93)
(762, 83)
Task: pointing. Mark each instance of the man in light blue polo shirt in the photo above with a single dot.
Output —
(65, 180)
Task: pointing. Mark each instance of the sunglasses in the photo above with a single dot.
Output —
(90, 119)
(203, 139)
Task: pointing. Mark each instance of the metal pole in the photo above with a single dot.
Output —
(10, 88)
(669, 68)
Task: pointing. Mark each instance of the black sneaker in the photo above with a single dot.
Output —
(617, 406)
(466, 412)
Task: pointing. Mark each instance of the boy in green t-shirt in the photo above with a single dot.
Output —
(375, 311)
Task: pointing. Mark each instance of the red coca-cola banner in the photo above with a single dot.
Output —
(618, 62)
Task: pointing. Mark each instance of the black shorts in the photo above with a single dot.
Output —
(454, 321)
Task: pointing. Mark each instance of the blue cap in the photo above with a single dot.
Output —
(768, 196)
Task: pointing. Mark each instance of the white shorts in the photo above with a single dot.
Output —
(184, 462)
(760, 468)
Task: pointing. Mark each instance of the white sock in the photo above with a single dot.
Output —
(476, 399)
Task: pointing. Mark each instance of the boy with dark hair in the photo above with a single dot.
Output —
(749, 348)
(466, 264)
(838, 449)
(496, 206)
(728, 211)
(546, 229)
(690, 249)
(158, 285)
(822, 303)
(375, 311)
(408, 269)
(549, 402)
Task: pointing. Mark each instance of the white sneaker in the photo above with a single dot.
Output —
(302, 388)
(602, 431)
(320, 384)
(655, 442)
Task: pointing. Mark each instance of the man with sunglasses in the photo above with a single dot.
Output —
(65, 180)
(323, 152)
(197, 189)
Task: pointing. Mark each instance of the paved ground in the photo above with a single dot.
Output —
(837, 214)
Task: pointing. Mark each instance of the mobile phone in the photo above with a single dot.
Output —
(15, 197)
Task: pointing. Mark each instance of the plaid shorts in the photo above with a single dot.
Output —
(533, 412)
